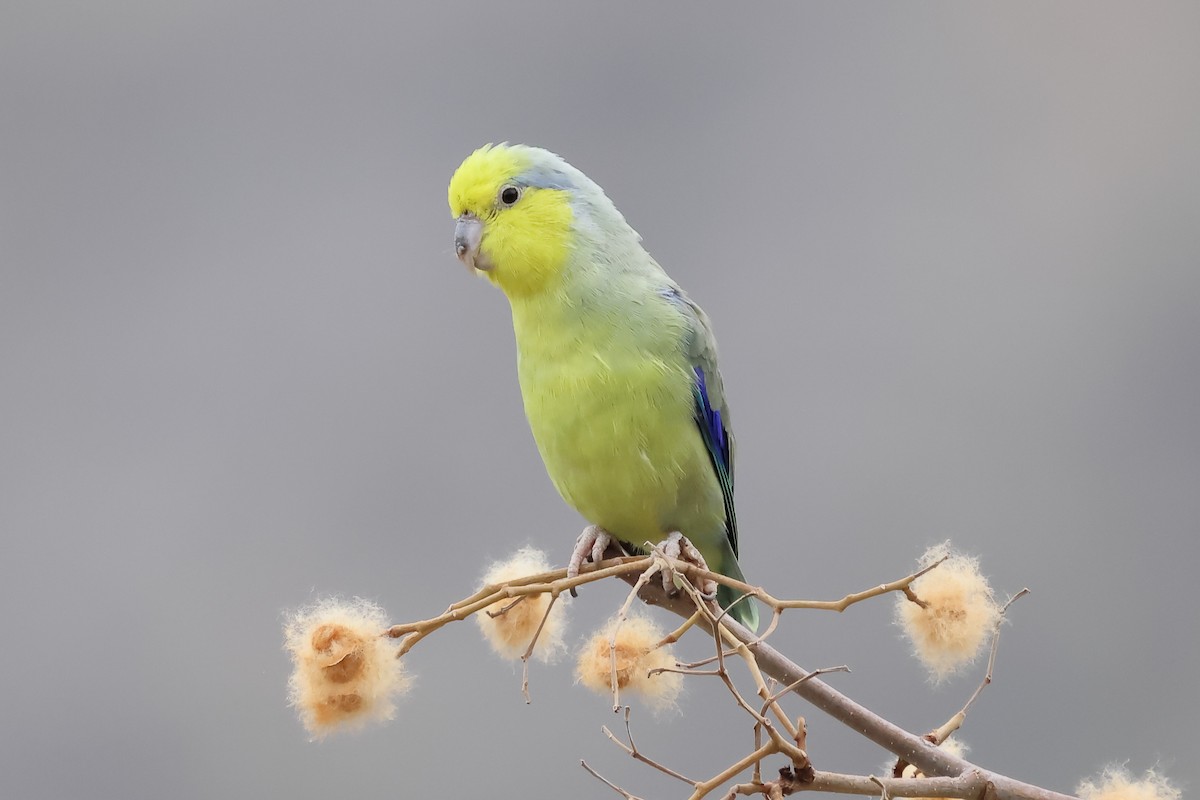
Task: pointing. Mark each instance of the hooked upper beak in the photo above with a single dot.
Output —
(468, 234)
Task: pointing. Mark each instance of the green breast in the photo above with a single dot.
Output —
(612, 414)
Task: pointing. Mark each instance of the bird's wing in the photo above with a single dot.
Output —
(711, 410)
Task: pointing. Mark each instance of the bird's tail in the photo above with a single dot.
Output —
(744, 612)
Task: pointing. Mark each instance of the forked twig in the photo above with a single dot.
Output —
(529, 650)
(633, 752)
(730, 638)
(791, 686)
(623, 614)
(505, 610)
(943, 732)
(608, 783)
(969, 786)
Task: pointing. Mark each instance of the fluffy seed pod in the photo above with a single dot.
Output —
(509, 626)
(345, 672)
(636, 655)
(1116, 783)
(960, 612)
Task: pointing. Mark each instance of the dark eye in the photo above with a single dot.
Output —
(510, 195)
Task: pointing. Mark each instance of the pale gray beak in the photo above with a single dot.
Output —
(468, 234)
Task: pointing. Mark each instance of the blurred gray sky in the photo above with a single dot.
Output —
(952, 256)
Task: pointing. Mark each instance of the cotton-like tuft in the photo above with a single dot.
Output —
(345, 673)
(509, 627)
(952, 746)
(636, 655)
(951, 631)
(1117, 783)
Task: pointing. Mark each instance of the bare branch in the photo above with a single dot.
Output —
(632, 750)
(808, 677)
(529, 650)
(622, 615)
(951, 776)
(901, 585)
(914, 749)
(954, 723)
(703, 788)
(505, 610)
(971, 786)
(608, 783)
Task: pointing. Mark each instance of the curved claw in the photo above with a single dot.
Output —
(591, 544)
(677, 546)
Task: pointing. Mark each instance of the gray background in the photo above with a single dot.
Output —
(950, 250)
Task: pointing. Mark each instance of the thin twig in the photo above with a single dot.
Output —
(554, 581)
(762, 659)
(720, 632)
(858, 597)
(705, 661)
(763, 596)
(914, 749)
(674, 636)
(529, 650)
(588, 571)
(808, 677)
(622, 615)
(633, 752)
(683, 671)
(505, 610)
(707, 786)
(942, 733)
(608, 783)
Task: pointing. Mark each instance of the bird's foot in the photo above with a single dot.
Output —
(677, 546)
(590, 546)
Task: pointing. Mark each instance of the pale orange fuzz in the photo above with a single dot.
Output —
(958, 616)
(636, 657)
(624, 655)
(951, 746)
(509, 625)
(1117, 783)
(344, 671)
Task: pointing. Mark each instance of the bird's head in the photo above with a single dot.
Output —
(520, 212)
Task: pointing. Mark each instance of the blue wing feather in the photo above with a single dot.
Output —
(717, 441)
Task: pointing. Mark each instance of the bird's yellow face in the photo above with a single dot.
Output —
(513, 223)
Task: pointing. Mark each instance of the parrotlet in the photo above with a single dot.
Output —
(617, 365)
